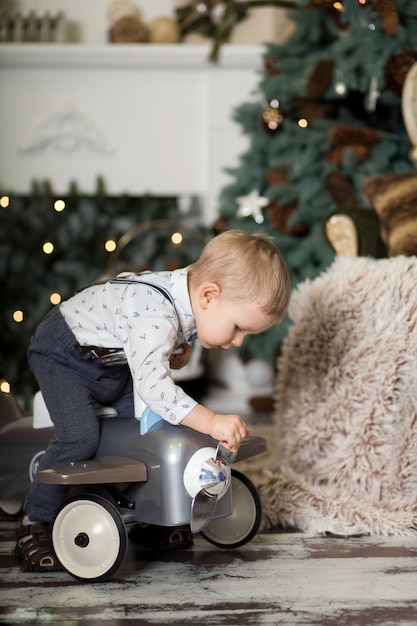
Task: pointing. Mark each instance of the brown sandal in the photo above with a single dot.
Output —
(34, 547)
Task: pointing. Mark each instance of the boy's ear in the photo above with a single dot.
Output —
(208, 292)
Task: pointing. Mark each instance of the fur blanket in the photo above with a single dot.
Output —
(343, 457)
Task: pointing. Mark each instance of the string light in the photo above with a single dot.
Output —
(4, 202)
(5, 386)
(340, 88)
(59, 205)
(18, 315)
(55, 298)
(302, 123)
(176, 239)
(48, 247)
(110, 245)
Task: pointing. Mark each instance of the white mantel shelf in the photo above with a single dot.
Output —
(179, 56)
(147, 119)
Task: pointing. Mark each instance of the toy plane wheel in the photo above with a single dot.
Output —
(89, 538)
(242, 525)
(10, 506)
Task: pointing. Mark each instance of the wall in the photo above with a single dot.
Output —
(147, 118)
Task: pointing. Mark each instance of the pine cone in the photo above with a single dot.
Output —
(340, 189)
(397, 68)
(336, 156)
(276, 176)
(270, 67)
(278, 216)
(388, 14)
(279, 213)
(319, 79)
(345, 135)
(220, 226)
(313, 110)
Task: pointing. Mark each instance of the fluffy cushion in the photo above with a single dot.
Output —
(394, 198)
(344, 456)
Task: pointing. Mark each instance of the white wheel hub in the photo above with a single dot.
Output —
(86, 539)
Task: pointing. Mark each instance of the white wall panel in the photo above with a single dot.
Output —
(148, 119)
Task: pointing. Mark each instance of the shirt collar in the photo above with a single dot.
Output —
(179, 290)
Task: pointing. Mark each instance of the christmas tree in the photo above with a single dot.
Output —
(327, 115)
(52, 246)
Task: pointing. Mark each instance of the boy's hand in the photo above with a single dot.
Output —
(180, 359)
(230, 430)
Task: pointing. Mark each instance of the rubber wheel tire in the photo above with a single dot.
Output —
(242, 525)
(89, 538)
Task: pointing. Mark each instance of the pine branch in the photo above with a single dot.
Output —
(241, 9)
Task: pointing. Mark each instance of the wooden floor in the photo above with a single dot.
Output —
(278, 578)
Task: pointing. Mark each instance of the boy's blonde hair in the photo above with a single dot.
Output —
(246, 266)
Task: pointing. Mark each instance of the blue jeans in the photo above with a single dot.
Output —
(72, 384)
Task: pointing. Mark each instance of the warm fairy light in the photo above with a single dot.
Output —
(59, 205)
(338, 6)
(110, 245)
(302, 123)
(176, 239)
(55, 298)
(340, 88)
(5, 386)
(4, 202)
(48, 247)
(18, 315)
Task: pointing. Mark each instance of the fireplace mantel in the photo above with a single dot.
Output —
(146, 118)
(144, 56)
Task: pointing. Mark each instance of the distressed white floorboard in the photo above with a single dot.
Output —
(282, 578)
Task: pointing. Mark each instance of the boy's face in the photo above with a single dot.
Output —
(223, 323)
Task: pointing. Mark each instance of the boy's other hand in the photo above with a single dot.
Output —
(179, 359)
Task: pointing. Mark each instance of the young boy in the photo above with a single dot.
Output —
(239, 286)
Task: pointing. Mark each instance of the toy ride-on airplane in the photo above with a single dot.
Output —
(152, 473)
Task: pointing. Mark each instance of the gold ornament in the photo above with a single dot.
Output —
(272, 117)
(129, 29)
(164, 30)
(127, 25)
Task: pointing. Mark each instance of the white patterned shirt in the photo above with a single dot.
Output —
(148, 322)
